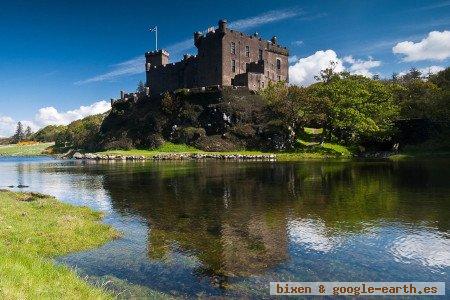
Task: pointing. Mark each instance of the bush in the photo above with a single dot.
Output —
(122, 142)
(187, 135)
(215, 143)
(152, 141)
(81, 134)
(48, 133)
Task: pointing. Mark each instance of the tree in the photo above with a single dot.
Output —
(356, 108)
(19, 135)
(48, 133)
(28, 133)
(417, 98)
(327, 74)
(141, 87)
(81, 134)
(413, 74)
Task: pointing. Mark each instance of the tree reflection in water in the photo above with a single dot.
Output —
(237, 219)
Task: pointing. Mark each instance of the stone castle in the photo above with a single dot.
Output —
(225, 58)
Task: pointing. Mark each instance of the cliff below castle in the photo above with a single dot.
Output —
(222, 119)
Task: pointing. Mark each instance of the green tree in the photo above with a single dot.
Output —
(141, 87)
(48, 133)
(81, 134)
(20, 134)
(28, 133)
(356, 108)
(417, 98)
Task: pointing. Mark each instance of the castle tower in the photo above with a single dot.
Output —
(155, 59)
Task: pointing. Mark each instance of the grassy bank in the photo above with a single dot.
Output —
(24, 149)
(33, 229)
(307, 151)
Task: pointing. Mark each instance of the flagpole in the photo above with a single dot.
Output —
(156, 37)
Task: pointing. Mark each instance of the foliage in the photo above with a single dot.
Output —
(81, 134)
(48, 133)
(140, 87)
(356, 108)
(20, 134)
(349, 109)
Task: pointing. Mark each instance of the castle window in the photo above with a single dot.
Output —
(233, 66)
(247, 51)
(233, 48)
(278, 64)
(279, 77)
(260, 54)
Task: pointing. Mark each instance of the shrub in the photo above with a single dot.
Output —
(152, 141)
(48, 133)
(187, 135)
(215, 143)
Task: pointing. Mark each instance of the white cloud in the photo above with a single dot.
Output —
(431, 70)
(425, 71)
(136, 65)
(293, 59)
(361, 67)
(304, 70)
(265, 18)
(433, 6)
(51, 116)
(7, 126)
(436, 46)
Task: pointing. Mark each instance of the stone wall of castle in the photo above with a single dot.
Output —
(225, 57)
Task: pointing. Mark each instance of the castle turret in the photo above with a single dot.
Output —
(156, 58)
(274, 40)
(222, 25)
(197, 36)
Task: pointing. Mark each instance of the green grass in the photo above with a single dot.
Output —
(313, 131)
(33, 229)
(307, 150)
(24, 150)
(342, 150)
(168, 147)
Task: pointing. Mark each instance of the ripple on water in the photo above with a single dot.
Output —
(426, 247)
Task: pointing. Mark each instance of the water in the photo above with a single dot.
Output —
(229, 228)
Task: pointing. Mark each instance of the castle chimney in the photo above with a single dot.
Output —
(274, 40)
(222, 25)
(122, 95)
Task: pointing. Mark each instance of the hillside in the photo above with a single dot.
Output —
(216, 120)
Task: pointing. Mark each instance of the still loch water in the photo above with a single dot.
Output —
(229, 228)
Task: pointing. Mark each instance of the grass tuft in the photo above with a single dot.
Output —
(33, 229)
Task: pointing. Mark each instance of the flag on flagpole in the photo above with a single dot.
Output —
(155, 30)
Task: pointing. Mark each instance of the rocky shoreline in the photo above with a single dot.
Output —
(175, 156)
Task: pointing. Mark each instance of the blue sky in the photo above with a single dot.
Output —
(57, 56)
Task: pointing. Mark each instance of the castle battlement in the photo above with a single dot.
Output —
(224, 58)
